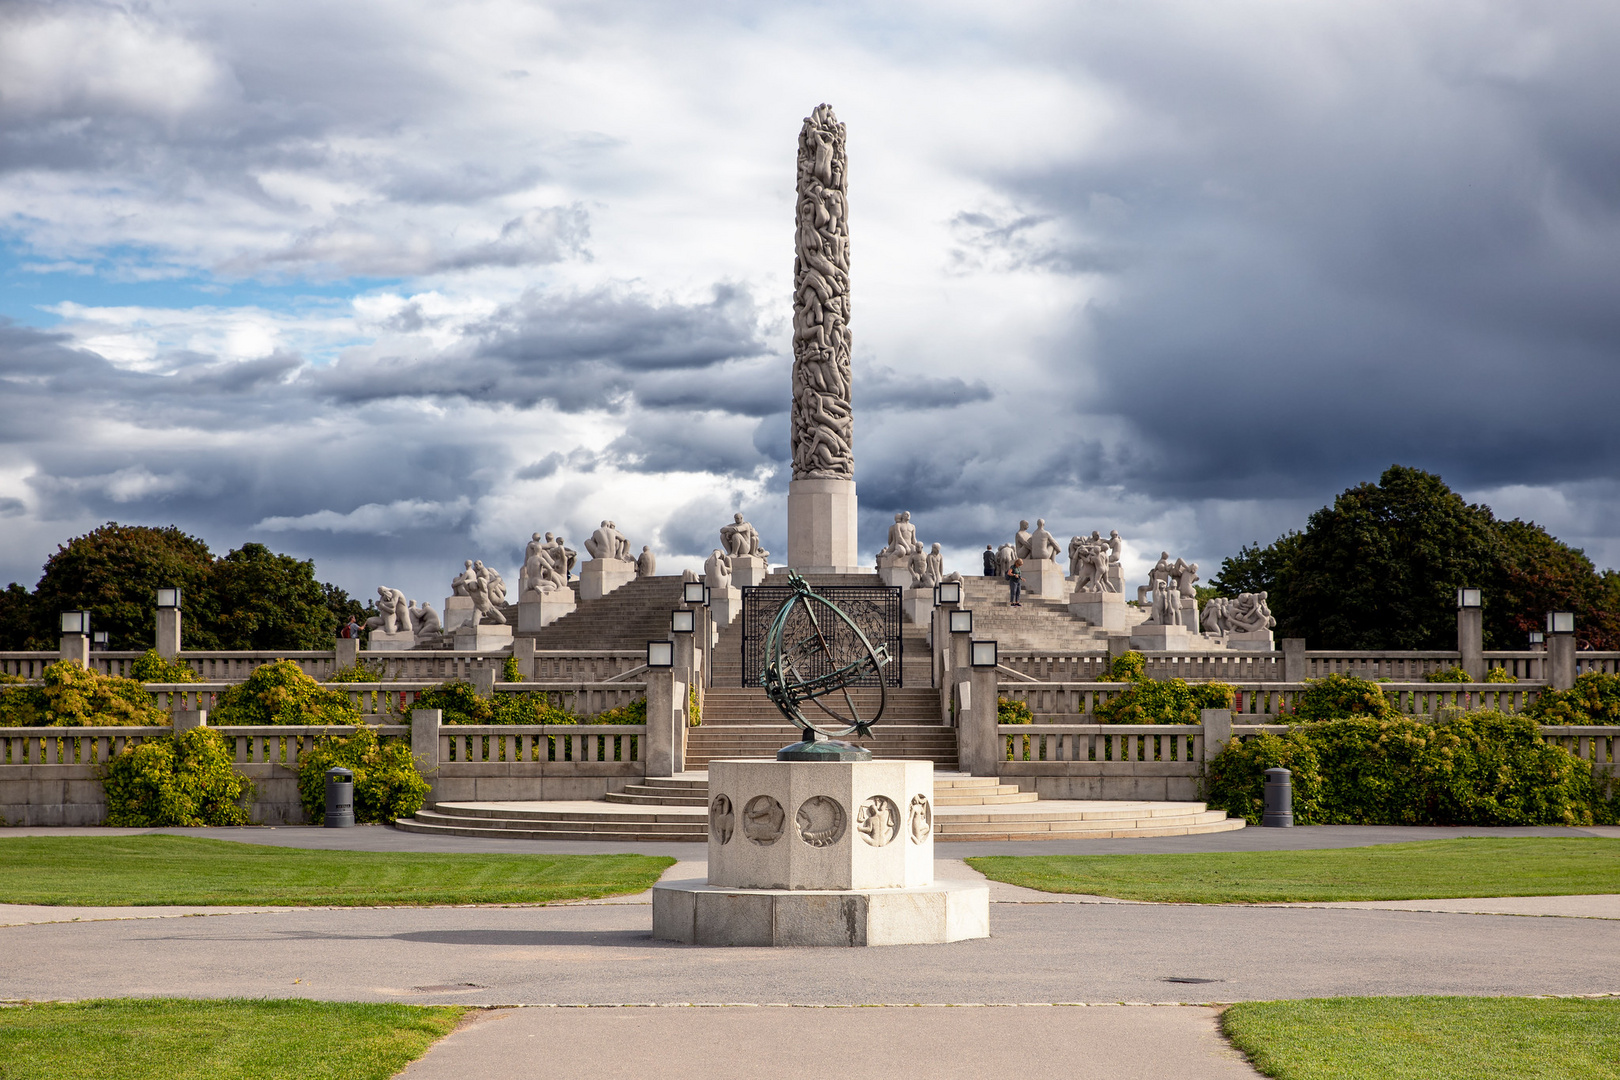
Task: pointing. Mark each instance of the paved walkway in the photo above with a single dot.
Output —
(1091, 966)
(1015, 1043)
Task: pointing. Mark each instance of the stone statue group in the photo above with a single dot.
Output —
(905, 552)
(738, 540)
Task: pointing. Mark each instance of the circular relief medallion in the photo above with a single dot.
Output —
(821, 821)
(721, 819)
(878, 820)
(763, 820)
(922, 819)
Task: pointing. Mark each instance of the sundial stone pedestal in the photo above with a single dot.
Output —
(820, 853)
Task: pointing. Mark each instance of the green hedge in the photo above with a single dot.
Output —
(73, 696)
(1448, 674)
(189, 779)
(1594, 699)
(1475, 768)
(152, 668)
(280, 693)
(386, 783)
(1334, 697)
(1009, 711)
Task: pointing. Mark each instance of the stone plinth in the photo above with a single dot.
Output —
(1100, 609)
(1158, 638)
(537, 610)
(457, 610)
(820, 853)
(1043, 577)
(700, 914)
(1256, 640)
(378, 641)
(748, 571)
(821, 824)
(725, 605)
(917, 604)
(486, 637)
(894, 576)
(599, 577)
(821, 526)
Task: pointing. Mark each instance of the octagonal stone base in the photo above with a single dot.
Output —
(697, 913)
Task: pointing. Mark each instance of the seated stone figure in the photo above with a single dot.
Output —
(647, 565)
(717, 570)
(741, 538)
(424, 620)
(1042, 544)
(903, 542)
(1249, 614)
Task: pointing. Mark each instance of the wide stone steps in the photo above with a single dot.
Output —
(966, 808)
(913, 742)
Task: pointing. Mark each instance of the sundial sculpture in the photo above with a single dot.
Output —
(813, 650)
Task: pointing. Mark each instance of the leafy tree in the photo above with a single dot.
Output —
(1379, 569)
(270, 601)
(115, 572)
(16, 617)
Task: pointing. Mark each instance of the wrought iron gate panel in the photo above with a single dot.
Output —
(874, 608)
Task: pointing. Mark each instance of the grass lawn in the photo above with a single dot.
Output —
(1426, 870)
(156, 868)
(1421, 1038)
(168, 1039)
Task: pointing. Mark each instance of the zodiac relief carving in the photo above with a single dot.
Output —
(922, 819)
(821, 821)
(878, 820)
(721, 819)
(823, 427)
(763, 820)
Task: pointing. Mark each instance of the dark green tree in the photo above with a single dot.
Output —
(114, 572)
(270, 601)
(16, 617)
(1539, 573)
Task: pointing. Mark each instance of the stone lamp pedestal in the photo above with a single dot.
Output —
(599, 577)
(820, 853)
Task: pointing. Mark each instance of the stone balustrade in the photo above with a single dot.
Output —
(1059, 702)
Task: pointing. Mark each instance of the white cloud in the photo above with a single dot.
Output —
(374, 518)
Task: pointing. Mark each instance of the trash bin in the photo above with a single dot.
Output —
(1279, 813)
(339, 798)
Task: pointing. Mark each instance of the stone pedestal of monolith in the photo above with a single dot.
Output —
(821, 526)
(599, 577)
(1043, 577)
(1101, 609)
(537, 610)
(820, 853)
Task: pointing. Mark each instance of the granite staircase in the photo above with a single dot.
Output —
(626, 618)
(1037, 625)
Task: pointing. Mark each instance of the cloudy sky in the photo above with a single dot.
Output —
(391, 285)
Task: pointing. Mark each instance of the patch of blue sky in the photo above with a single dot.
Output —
(32, 286)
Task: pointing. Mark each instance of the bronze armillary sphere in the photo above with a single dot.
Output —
(814, 651)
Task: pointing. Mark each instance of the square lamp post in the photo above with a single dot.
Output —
(695, 592)
(1468, 598)
(962, 621)
(1560, 622)
(168, 623)
(660, 654)
(683, 621)
(98, 640)
(168, 598)
(75, 622)
(982, 654)
(948, 592)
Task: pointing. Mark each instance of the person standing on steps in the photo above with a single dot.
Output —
(1015, 583)
(991, 564)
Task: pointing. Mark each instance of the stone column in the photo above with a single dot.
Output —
(1217, 731)
(425, 747)
(821, 496)
(345, 651)
(1293, 650)
(661, 734)
(1471, 642)
(186, 719)
(75, 647)
(168, 632)
(523, 653)
(1560, 661)
(978, 745)
(483, 681)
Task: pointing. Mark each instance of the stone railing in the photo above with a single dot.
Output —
(411, 665)
(1103, 761)
(1058, 666)
(398, 698)
(498, 762)
(70, 746)
(1606, 662)
(1061, 702)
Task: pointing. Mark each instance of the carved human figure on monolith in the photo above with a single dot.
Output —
(823, 429)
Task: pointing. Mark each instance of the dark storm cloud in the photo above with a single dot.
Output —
(579, 352)
(1410, 256)
(884, 388)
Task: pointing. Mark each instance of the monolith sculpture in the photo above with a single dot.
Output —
(821, 496)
